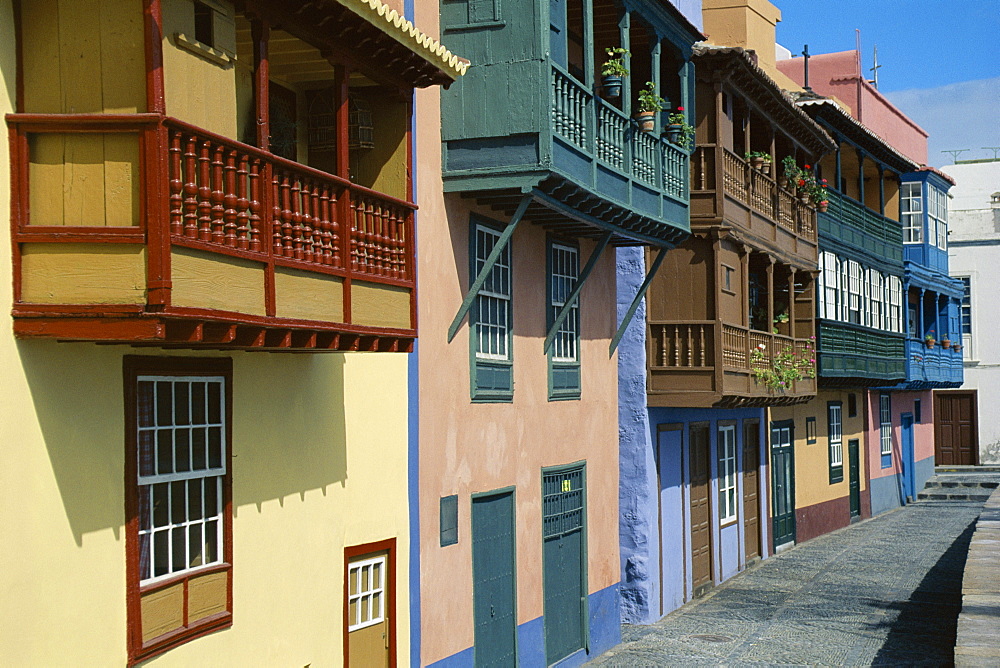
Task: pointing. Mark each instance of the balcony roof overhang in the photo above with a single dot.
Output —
(374, 38)
(737, 66)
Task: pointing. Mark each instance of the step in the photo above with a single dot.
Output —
(953, 496)
(966, 483)
(989, 468)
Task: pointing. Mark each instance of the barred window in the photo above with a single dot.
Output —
(835, 434)
(493, 300)
(885, 424)
(181, 465)
(911, 209)
(937, 210)
(966, 307)
(727, 473)
(564, 263)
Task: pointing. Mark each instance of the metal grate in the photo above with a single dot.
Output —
(562, 502)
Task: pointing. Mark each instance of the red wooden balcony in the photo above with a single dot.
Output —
(174, 235)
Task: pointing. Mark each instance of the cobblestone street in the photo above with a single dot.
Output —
(882, 592)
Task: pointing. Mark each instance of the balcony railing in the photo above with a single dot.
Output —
(851, 221)
(202, 191)
(683, 354)
(597, 128)
(933, 366)
(752, 188)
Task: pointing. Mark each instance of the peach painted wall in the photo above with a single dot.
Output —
(468, 448)
(839, 75)
(923, 431)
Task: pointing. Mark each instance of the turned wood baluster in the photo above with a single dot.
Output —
(295, 217)
(190, 188)
(276, 226)
(218, 196)
(308, 229)
(324, 215)
(355, 232)
(242, 204)
(176, 186)
(286, 217)
(205, 192)
(229, 199)
(395, 250)
(677, 346)
(701, 344)
(335, 238)
(404, 219)
(690, 347)
(256, 207)
(663, 345)
(381, 237)
(371, 241)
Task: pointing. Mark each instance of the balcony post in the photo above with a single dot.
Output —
(881, 188)
(838, 171)
(624, 28)
(719, 151)
(861, 176)
(260, 35)
(588, 45)
(153, 36)
(770, 293)
(791, 302)
(922, 329)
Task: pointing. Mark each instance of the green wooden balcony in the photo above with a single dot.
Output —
(852, 223)
(855, 355)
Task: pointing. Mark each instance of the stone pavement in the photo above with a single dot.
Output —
(886, 591)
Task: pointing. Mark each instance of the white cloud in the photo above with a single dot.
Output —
(959, 115)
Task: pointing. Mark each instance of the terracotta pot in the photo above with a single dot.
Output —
(766, 168)
(783, 182)
(930, 343)
(804, 198)
(822, 206)
(945, 343)
(646, 120)
(756, 162)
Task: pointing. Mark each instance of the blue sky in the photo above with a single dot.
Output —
(940, 60)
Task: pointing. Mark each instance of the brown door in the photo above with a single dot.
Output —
(701, 511)
(751, 502)
(956, 437)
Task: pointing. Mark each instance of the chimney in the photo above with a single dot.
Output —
(746, 23)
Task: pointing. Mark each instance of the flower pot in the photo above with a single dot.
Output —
(766, 168)
(674, 132)
(783, 182)
(945, 343)
(956, 347)
(611, 87)
(930, 343)
(821, 207)
(756, 162)
(646, 120)
(804, 198)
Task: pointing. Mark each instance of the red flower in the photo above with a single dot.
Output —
(801, 182)
(680, 108)
(807, 167)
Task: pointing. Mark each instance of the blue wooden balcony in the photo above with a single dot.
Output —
(934, 367)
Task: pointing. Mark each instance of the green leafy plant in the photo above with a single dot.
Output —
(763, 155)
(614, 66)
(649, 101)
(789, 169)
(784, 367)
(685, 138)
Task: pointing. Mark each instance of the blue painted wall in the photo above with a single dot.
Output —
(887, 492)
(604, 628)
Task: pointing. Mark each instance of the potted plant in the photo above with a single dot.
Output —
(929, 340)
(789, 172)
(679, 132)
(758, 159)
(818, 195)
(945, 342)
(649, 105)
(612, 72)
(805, 184)
(957, 347)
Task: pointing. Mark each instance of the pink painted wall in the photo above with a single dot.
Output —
(923, 431)
(467, 448)
(839, 75)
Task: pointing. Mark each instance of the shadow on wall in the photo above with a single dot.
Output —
(289, 431)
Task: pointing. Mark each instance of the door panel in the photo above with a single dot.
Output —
(564, 557)
(956, 441)
(368, 619)
(909, 481)
(854, 473)
(751, 502)
(493, 580)
(783, 482)
(701, 510)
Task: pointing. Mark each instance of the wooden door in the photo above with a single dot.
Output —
(854, 476)
(493, 580)
(783, 482)
(956, 437)
(751, 500)
(701, 510)
(564, 554)
(368, 596)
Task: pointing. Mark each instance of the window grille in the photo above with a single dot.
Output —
(565, 270)
(835, 435)
(885, 424)
(493, 300)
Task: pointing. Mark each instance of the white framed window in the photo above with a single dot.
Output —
(854, 292)
(885, 425)
(835, 434)
(911, 208)
(727, 473)
(876, 304)
(181, 469)
(493, 301)
(965, 309)
(366, 593)
(565, 268)
(895, 304)
(937, 210)
(830, 287)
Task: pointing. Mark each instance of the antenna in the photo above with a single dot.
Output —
(995, 149)
(874, 69)
(955, 153)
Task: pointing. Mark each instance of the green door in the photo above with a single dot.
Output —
(564, 555)
(854, 471)
(783, 482)
(493, 585)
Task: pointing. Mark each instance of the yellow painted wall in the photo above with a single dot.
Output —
(83, 56)
(812, 461)
(380, 305)
(307, 296)
(198, 89)
(210, 280)
(315, 439)
(73, 273)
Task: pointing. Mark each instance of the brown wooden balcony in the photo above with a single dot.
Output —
(726, 189)
(705, 363)
(144, 229)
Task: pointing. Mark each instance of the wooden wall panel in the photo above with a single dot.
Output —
(162, 611)
(70, 273)
(207, 595)
(380, 305)
(70, 43)
(215, 281)
(84, 179)
(305, 296)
